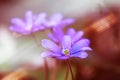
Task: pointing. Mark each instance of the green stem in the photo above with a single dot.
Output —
(67, 71)
(69, 65)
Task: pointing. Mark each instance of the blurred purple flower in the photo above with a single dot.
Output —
(30, 24)
(57, 20)
(66, 49)
(75, 35)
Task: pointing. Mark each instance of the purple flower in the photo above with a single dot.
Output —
(29, 24)
(66, 49)
(75, 35)
(57, 20)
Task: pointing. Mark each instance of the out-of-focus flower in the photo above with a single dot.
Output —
(57, 20)
(67, 49)
(33, 23)
(75, 35)
(30, 24)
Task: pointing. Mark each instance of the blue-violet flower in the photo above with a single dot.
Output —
(66, 49)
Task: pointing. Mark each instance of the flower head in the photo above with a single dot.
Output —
(66, 49)
(56, 20)
(29, 24)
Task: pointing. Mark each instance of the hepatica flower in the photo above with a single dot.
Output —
(30, 24)
(56, 20)
(66, 49)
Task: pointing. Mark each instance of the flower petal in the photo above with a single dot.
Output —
(86, 48)
(77, 36)
(29, 17)
(79, 45)
(65, 22)
(50, 45)
(40, 19)
(66, 42)
(52, 37)
(68, 21)
(56, 31)
(49, 54)
(54, 20)
(62, 57)
(17, 29)
(56, 17)
(38, 28)
(80, 55)
(46, 54)
(71, 32)
(17, 22)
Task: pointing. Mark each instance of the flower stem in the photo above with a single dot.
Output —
(46, 69)
(54, 74)
(67, 72)
(45, 60)
(69, 65)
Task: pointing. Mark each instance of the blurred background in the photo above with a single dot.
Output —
(100, 19)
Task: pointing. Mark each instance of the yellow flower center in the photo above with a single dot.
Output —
(66, 52)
